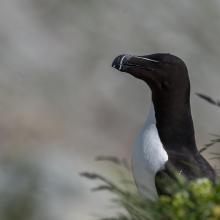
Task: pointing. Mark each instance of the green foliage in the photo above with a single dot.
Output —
(195, 200)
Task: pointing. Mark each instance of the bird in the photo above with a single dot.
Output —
(166, 143)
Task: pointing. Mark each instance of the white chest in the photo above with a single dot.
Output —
(148, 156)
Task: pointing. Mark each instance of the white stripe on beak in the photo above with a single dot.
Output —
(121, 62)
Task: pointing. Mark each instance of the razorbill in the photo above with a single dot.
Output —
(167, 138)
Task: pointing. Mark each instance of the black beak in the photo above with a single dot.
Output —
(125, 61)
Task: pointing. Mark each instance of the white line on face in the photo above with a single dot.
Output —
(144, 58)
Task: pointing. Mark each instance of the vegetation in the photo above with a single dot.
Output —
(195, 200)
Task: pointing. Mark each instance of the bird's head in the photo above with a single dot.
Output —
(165, 74)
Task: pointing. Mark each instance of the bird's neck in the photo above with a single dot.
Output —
(175, 125)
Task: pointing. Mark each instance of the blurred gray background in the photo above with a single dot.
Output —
(61, 103)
